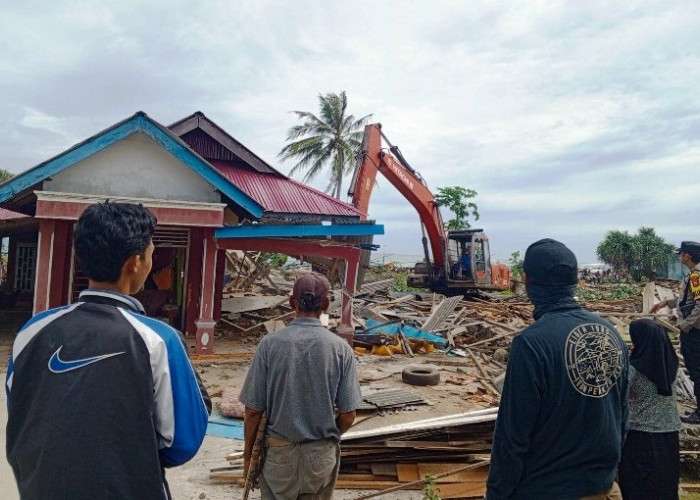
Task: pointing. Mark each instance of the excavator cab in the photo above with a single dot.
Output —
(467, 267)
(468, 258)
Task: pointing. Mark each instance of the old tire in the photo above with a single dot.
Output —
(421, 375)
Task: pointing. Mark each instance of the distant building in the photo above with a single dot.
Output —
(673, 271)
(595, 266)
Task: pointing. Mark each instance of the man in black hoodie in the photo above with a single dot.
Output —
(563, 413)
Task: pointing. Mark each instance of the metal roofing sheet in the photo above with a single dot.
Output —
(280, 194)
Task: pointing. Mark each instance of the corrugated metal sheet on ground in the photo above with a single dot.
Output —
(390, 398)
(375, 286)
(438, 317)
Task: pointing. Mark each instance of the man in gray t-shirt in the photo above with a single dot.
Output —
(297, 377)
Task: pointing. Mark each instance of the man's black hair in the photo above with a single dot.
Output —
(109, 233)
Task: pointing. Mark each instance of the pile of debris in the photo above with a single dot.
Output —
(454, 450)
(468, 338)
(400, 456)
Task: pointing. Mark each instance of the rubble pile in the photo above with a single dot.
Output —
(466, 339)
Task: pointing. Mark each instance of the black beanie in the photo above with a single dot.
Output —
(550, 263)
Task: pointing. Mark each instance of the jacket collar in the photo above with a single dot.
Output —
(116, 299)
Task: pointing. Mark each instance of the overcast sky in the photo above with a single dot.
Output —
(569, 119)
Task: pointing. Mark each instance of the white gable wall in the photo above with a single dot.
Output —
(134, 167)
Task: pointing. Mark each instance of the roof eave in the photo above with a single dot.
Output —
(139, 122)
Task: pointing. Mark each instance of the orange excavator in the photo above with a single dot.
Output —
(456, 262)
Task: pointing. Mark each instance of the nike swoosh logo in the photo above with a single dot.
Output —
(57, 365)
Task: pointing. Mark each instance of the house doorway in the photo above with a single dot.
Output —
(163, 295)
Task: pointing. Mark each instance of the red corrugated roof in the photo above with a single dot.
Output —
(9, 215)
(280, 194)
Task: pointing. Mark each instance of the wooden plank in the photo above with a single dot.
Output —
(667, 325)
(252, 303)
(486, 380)
(227, 477)
(361, 477)
(502, 325)
(426, 445)
(394, 302)
(371, 485)
(462, 490)
(420, 483)
(384, 469)
(236, 469)
(648, 295)
(664, 293)
(470, 475)
(621, 326)
(486, 341)
(367, 451)
(414, 472)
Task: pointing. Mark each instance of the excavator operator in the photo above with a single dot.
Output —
(463, 269)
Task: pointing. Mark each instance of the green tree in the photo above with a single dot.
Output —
(274, 259)
(5, 174)
(638, 255)
(329, 139)
(457, 199)
(650, 253)
(516, 265)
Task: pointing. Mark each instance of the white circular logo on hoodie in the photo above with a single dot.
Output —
(594, 359)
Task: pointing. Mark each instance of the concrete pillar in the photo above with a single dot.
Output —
(345, 329)
(44, 261)
(205, 322)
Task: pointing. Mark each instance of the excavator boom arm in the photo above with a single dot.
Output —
(374, 159)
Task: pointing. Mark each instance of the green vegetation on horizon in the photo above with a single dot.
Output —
(635, 255)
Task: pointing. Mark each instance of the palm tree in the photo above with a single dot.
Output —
(651, 252)
(617, 250)
(331, 140)
(640, 254)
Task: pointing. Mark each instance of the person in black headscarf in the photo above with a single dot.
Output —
(649, 468)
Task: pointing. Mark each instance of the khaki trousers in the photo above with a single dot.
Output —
(300, 471)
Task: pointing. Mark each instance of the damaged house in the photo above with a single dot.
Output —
(209, 192)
